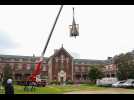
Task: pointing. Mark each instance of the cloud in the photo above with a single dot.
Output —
(6, 41)
(75, 55)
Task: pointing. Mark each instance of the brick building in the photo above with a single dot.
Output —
(60, 66)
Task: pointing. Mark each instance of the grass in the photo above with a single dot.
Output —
(55, 89)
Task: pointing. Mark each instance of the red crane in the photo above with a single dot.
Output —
(37, 69)
(73, 32)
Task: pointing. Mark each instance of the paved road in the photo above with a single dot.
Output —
(105, 91)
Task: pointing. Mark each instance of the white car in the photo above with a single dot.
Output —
(128, 83)
(118, 84)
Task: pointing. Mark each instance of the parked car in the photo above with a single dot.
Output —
(129, 83)
(118, 84)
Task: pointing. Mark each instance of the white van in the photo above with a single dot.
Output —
(106, 81)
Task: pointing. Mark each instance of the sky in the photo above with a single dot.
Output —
(104, 30)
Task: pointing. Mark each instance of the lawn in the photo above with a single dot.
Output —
(72, 89)
(55, 89)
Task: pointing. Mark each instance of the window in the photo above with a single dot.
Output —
(20, 67)
(88, 68)
(28, 67)
(82, 62)
(76, 62)
(77, 76)
(62, 58)
(12, 59)
(56, 59)
(16, 66)
(108, 75)
(67, 59)
(79, 62)
(76, 68)
(83, 69)
(20, 59)
(44, 68)
(85, 77)
(132, 82)
(113, 75)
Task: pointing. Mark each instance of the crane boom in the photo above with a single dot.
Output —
(37, 69)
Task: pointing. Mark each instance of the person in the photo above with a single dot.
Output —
(9, 89)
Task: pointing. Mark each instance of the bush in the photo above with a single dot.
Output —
(56, 82)
(69, 82)
(105, 85)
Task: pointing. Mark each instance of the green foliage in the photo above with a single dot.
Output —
(69, 82)
(56, 82)
(125, 65)
(94, 74)
(7, 73)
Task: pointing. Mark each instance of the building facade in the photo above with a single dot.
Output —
(60, 66)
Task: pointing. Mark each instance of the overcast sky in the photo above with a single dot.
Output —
(105, 30)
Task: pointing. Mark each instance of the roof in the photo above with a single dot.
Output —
(75, 61)
(89, 61)
(58, 50)
(16, 57)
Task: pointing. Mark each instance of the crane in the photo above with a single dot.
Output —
(73, 32)
(37, 70)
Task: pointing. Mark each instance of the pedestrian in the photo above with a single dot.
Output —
(9, 89)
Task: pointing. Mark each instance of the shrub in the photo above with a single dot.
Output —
(56, 82)
(69, 82)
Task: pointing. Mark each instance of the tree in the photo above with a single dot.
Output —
(125, 65)
(94, 74)
(7, 71)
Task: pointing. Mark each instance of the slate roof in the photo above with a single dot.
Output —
(90, 61)
(17, 57)
(75, 61)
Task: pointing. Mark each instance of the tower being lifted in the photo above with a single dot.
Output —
(74, 28)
